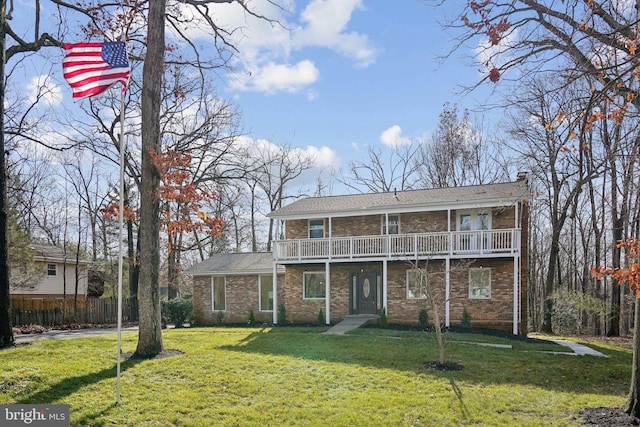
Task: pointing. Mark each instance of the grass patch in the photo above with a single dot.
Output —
(300, 377)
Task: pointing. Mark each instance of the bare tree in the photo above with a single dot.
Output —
(458, 153)
(380, 173)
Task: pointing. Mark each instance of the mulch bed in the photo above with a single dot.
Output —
(447, 366)
(607, 417)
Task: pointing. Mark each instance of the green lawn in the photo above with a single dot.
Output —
(300, 377)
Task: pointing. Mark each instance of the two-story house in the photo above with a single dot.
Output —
(357, 254)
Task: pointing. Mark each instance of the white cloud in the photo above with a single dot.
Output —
(263, 60)
(42, 89)
(392, 137)
(324, 24)
(498, 55)
(272, 78)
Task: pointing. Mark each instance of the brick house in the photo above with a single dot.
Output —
(356, 254)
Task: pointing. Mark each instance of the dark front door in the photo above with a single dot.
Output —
(366, 293)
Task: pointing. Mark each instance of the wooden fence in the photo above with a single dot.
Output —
(51, 312)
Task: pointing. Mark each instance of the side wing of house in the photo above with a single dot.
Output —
(360, 254)
(229, 288)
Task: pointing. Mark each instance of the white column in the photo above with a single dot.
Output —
(327, 292)
(447, 317)
(516, 281)
(516, 296)
(275, 293)
(384, 285)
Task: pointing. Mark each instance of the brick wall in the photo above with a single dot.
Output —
(242, 297)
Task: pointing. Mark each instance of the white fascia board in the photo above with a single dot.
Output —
(466, 204)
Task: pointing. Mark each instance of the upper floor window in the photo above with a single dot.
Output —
(394, 224)
(52, 270)
(474, 221)
(316, 228)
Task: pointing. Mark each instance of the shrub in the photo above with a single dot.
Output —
(383, 321)
(282, 315)
(321, 319)
(252, 319)
(179, 311)
(423, 319)
(465, 322)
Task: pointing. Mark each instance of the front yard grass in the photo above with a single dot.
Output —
(297, 376)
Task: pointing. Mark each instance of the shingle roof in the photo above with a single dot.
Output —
(234, 263)
(55, 254)
(438, 198)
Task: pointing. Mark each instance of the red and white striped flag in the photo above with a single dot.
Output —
(92, 68)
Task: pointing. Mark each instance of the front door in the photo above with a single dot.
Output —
(366, 293)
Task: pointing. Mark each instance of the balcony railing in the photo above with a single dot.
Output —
(474, 244)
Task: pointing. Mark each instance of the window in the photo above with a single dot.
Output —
(471, 224)
(316, 228)
(480, 283)
(52, 270)
(394, 224)
(218, 293)
(474, 221)
(266, 293)
(313, 284)
(416, 284)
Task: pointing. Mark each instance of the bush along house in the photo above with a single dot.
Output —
(356, 255)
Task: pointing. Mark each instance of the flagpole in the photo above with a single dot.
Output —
(120, 228)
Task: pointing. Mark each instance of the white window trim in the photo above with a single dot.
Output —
(304, 288)
(383, 226)
(474, 218)
(309, 228)
(407, 285)
(55, 266)
(471, 296)
(224, 278)
(260, 293)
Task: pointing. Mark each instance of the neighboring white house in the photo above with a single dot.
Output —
(59, 277)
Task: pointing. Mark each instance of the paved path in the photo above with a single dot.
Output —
(350, 322)
(579, 349)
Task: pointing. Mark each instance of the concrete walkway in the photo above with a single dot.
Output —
(578, 349)
(351, 322)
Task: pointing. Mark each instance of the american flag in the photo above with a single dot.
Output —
(91, 68)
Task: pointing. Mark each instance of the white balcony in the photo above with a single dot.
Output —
(456, 244)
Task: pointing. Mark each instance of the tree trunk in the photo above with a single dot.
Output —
(6, 332)
(632, 406)
(150, 325)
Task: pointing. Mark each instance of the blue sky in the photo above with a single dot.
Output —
(349, 73)
(336, 77)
